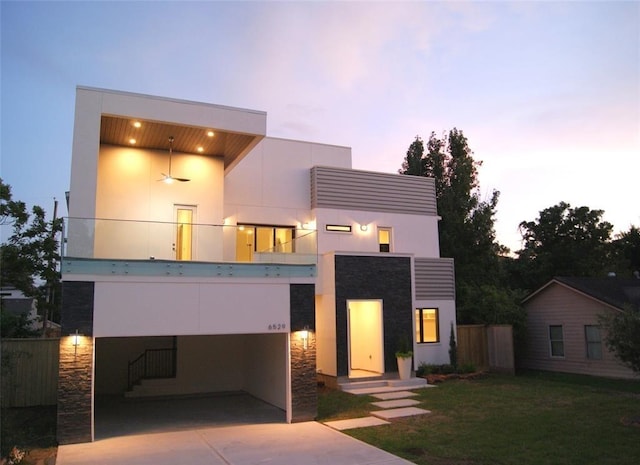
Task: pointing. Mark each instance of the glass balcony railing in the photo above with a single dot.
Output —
(150, 240)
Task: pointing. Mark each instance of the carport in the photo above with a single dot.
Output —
(217, 380)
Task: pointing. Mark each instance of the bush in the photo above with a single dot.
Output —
(445, 369)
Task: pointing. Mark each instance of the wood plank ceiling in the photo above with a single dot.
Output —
(187, 139)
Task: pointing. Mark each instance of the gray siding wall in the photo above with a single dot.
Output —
(364, 190)
(434, 279)
(558, 305)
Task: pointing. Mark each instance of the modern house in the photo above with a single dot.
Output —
(200, 252)
(563, 328)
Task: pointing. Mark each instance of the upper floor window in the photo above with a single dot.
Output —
(556, 340)
(384, 239)
(427, 325)
(251, 239)
(593, 342)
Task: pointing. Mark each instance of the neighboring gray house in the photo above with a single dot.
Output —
(563, 332)
(16, 303)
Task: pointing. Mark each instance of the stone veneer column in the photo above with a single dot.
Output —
(75, 381)
(304, 386)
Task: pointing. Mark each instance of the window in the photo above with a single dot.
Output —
(384, 239)
(252, 239)
(556, 341)
(593, 342)
(427, 325)
(338, 228)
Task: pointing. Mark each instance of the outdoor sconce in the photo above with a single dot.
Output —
(364, 227)
(304, 335)
(75, 340)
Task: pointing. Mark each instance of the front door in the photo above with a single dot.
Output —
(366, 338)
(183, 245)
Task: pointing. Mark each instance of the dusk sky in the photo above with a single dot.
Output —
(547, 93)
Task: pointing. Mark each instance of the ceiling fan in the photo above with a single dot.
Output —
(167, 178)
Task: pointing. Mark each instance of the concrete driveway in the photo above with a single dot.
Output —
(275, 443)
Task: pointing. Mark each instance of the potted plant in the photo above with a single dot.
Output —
(404, 356)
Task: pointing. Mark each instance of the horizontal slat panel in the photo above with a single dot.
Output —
(369, 191)
(435, 278)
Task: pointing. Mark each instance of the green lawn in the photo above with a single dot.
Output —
(535, 418)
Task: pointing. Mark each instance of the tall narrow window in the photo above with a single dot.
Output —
(183, 245)
(384, 239)
(427, 325)
(593, 342)
(556, 341)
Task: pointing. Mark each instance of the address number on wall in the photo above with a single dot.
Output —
(277, 326)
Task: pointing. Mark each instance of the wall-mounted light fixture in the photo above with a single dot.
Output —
(304, 335)
(364, 227)
(75, 340)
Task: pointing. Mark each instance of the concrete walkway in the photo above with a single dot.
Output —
(309, 443)
(395, 402)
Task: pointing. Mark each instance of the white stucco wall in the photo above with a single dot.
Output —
(326, 360)
(436, 353)
(161, 306)
(128, 189)
(272, 184)
(413, 234)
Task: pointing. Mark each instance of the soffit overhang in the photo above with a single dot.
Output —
(229, 145)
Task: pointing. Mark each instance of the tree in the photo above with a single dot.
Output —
(622, 330)
(564, 241)
(466, 228)
(30, 256)
(626, 252)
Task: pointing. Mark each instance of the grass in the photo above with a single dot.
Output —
(29, 428)
(535, 418)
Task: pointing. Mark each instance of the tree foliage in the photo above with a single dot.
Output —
(626, 252)
(466, 227)
(30, 256)
(623, 336)
(564, 241)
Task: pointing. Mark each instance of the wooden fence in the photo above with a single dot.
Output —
(486, 347)
(29, 372)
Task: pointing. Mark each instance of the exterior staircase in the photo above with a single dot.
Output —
(382, 385)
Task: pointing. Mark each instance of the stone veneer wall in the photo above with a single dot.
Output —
(304, 391)
(374, 277)
(75, 405)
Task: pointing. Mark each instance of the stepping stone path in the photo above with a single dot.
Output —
(395, 403)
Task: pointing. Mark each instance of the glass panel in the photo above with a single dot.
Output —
(427, 325)
(264, 239)
(384, 239)
(284, 240)
(184, 234)
(557, 349)
(244, 243)
(556, 340)
(555, 333)
(594, 342)
(430, 324)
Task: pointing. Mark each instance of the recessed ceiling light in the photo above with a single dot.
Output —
(137, 124)
(200, 149)
(210, 134)
(132, 141)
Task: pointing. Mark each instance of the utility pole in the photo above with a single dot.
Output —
(50, 288)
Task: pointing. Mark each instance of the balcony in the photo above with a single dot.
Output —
(151, 248)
